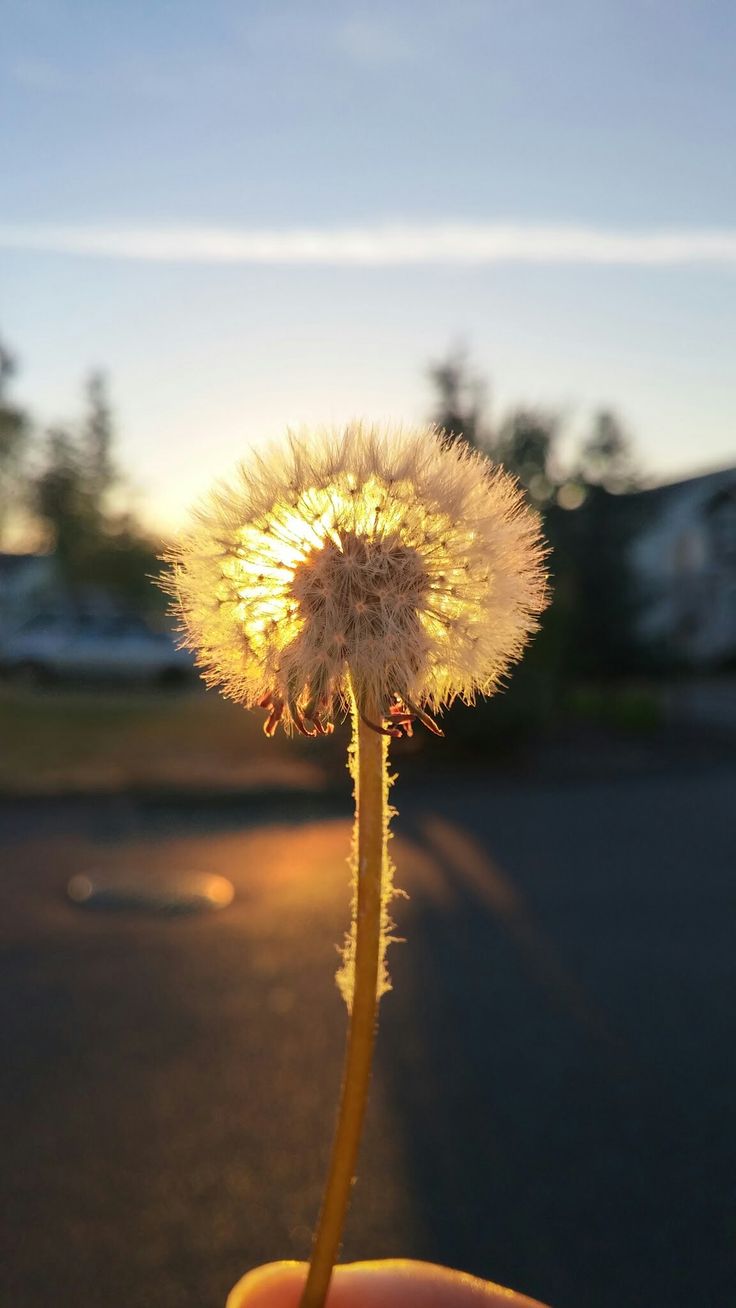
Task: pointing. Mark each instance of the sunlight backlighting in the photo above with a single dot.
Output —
(269, 553)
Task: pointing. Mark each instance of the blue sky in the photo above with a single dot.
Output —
(256, 214)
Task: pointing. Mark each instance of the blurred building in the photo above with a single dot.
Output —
(683, 557)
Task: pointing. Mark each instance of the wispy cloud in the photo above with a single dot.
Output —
(383, 245)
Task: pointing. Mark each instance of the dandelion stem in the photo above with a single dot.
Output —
(369, 763)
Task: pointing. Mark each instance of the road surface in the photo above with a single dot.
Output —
(553, 1102)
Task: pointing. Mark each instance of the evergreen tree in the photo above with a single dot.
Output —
(459, 401)
(98, 436)
(95, 544)
(606, 458)
(14, 435)
(526, 445)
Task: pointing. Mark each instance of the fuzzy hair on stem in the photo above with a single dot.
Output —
(369, 767)
(346, 972)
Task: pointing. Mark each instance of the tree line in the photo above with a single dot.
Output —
(61, 489)
(589, 518)
(64, 484)
(527, 440)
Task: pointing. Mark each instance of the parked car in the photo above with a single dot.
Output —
(79, 646)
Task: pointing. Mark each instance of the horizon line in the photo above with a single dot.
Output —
(382, 245)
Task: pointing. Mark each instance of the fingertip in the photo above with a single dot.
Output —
(274, 1285)
(390, 1283)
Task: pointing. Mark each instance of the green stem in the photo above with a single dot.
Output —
(371, 789)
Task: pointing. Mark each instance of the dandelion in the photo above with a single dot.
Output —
(374, 571)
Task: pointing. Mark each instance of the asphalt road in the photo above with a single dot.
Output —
(554, 1098)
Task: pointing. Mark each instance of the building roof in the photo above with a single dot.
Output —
(703, 481)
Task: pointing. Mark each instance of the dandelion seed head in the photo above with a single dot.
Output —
(378, 558)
